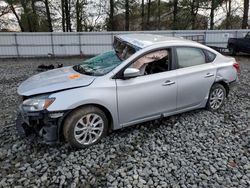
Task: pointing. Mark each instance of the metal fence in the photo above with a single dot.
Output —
(90, 43)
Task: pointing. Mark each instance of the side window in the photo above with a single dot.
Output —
(210, 56)
(188, 56)
(153, 62)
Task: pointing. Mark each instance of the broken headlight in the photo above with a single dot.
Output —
(37, 103)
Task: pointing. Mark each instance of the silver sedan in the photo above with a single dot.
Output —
(145, 77)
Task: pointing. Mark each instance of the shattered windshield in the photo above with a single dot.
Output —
(99, 65)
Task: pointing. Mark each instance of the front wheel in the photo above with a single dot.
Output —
(216, 98)
(85, 126)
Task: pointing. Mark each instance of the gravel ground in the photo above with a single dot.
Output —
(194, 149)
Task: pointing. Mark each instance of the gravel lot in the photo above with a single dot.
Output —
(194, 149)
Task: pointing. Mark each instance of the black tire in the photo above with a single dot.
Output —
(72, 120)
(210, 104)
(232, 50)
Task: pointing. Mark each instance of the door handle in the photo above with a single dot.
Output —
(209, 75)
(168, 83)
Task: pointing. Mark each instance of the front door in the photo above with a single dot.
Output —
(150, 95)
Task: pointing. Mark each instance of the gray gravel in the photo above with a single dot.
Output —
(194, 149)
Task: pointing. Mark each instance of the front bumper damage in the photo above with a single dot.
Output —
(44, 123)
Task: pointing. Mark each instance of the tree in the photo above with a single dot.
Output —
(111, 15)
(235, 23)
(175, 12)
(34, 16)
(148, 13)
(63, 15)
(126, 15)
(194, 10)
(228, 16)
(46, 3)
(212, 14)
(91, 16)
(158, 14)
(12, 3)
(245, 14)
(191, 8)
(78, 16)
(4, 10)
(66, 10)
(25, 17)
(142, 15)
(214, 5)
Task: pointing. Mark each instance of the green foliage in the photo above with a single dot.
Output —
(235, 23)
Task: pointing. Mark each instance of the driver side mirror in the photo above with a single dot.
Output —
(131, 73)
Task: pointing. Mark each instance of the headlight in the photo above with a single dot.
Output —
(37, 104)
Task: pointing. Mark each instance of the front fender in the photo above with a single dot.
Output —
(74, 98)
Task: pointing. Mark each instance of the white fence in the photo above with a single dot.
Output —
(90, 43)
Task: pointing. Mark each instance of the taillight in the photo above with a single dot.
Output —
(237, 67)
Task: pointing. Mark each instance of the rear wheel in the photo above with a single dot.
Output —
(85, 126)
(216, 97)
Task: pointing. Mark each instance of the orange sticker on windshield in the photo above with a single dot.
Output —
(74, 76)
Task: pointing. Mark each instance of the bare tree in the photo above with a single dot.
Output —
(175, 12)
(212, 14)
(111, 15)
(91, 19)
(78, 16)
(214, 5)
(158, 14)
(34, 16)
(148, 13)
(46, 3)
(11, 4)
(194, 11)
(127, 15)
(142, 14)
(63, 15)
(4, 10)
(67, 15)
(26, 15)
(229, 9)
(245, 14)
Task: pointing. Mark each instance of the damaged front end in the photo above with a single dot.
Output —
(34, 119)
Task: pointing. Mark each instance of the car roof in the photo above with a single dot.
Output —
(145, 40)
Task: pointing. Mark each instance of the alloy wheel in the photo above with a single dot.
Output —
(216, 98)
(88, 129)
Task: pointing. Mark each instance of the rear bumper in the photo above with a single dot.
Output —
(232, 85)
(44, 123)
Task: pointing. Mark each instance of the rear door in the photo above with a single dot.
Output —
(195, 76)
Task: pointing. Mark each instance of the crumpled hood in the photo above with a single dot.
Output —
(54, 80)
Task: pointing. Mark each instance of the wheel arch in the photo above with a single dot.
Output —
(101, 107)
(224, 84)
